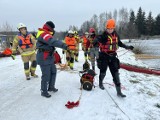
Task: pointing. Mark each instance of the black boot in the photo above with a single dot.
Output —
(119, 93)
(101, 77)
(28, 78)
(101, 85)
(93, 68)
(45, 94)
(52, 89)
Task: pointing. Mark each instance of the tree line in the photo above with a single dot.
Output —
(129, 24)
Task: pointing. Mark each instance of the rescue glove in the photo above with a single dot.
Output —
(68, 50)
(13, 57)
(63, 51)
(130, 47)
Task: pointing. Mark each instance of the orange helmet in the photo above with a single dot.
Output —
(110, 24)
(91, 30)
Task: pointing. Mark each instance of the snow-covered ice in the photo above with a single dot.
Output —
(21, 99)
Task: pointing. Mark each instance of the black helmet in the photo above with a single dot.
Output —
(50, 24)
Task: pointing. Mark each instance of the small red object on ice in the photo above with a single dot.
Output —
(71, 105)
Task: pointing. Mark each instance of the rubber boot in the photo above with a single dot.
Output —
(45, 94)
(101, 77)
(34, 75)
(93, 68)
(28, 78)
(53, 89)
(119, 93)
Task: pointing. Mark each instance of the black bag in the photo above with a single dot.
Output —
(86, 66)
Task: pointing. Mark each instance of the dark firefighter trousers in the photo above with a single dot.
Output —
(48, 77)
(111, 61)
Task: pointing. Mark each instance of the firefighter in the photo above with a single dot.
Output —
(109, 42)
(85, 46)
(46, 47)
(26, 44)
(72, 44)
(93, 47)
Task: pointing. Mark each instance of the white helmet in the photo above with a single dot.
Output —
(86, 33)
(70, 32)
(21, 25)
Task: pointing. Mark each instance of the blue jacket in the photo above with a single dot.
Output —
(45, 45)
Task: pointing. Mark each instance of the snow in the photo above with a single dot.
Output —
(21, 99)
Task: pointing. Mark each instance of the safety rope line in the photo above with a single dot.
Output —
(123, 53)
(117, 105)
(81, 92)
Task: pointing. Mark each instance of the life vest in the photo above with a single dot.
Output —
(45, 35)
(71, 42)
(111, 44)
(25, 42)
(85, 42)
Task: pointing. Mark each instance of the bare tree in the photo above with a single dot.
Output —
(109, 15)
(123, 21)
(102, 22)
(94, 22)
(85, 26)
(7, 30)
(115, 14)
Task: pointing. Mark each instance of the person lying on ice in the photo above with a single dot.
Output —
(45, 46)
(109, 42)
(26, 44)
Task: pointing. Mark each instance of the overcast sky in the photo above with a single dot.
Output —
(34, 13)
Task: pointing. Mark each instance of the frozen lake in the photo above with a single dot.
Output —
(151, 47)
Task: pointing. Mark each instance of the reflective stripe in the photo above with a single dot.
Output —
(111, 41)
(46, 36)
(111, 44)
(15, 40)
(13, 49)
(33, 68)
(71, 64)
(39, 33)
(28, 53)
(26, 71)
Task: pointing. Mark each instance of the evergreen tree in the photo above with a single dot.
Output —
(131, 27)
(150, 24)
(141, 22)
(157, 25)
(132, 17)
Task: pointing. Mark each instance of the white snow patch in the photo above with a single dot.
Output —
(21, 99)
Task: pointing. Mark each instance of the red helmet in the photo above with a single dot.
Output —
(91, 30)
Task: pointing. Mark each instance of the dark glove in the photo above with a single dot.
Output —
(68, 50)
(63, 51)
(13, 57)
(14, 53)
(130, 47)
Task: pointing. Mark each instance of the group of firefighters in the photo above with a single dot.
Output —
(100, 49)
